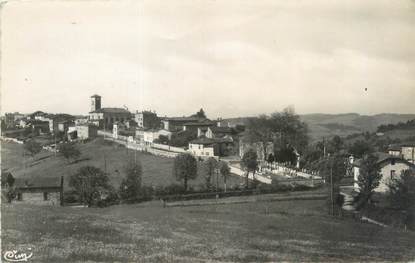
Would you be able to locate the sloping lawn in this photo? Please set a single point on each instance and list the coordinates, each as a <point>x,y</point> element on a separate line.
<point>109,156</point>
<point>253,232</point>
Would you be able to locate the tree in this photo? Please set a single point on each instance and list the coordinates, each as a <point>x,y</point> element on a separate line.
<point>130,186</point>
<point>90,182</point>
<point>250,164</point>
<point>289,129</point>
<point>402,195</point>
<point>225,171</point>
<point>336,144</point>
<point>182,138</point>
<point>7,186</point>
<point>359,148</point>
<point>33,147</point>
<point>368,179</point>
<point>259,131</point>
<point>200,114</point>
<point>162,139</point>
<point>284,129</point>
<point>402,190</point>
<point>333,169</point>
<point>69,151</point>
<point>286,155</point>
<point>185,168</point>
<point>271,158</point>
<point>209,167</point>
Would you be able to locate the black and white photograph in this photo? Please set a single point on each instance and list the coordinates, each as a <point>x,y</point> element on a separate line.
<point>207,131</point>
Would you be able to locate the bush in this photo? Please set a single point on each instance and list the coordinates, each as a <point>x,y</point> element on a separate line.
<point>106,197</point>
<point>71,197</point>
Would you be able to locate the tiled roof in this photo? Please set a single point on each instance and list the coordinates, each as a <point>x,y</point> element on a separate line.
<point>207,141</point>
<point>111,110</point>
<point>200,123</point>
<point>382,157</point>
<point>189,119</point>
<point>37,182</point>
<point>222,129</point>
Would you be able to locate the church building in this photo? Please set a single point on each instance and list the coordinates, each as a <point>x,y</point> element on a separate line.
<point>104,118</point>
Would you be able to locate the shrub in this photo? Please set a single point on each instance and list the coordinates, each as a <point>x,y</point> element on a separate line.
<point>91,184</point>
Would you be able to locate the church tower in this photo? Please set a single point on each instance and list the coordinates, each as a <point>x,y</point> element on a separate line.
<point>95,102</point>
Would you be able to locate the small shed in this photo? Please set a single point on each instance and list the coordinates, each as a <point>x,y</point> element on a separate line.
<point>40,189</point>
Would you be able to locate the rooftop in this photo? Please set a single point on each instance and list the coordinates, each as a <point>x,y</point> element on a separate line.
<point>222,129</point>
<point>183,119</point>
<point>111,110</point>
<point>208,141</point>
<point>382,157</point>
<point>38,182</point>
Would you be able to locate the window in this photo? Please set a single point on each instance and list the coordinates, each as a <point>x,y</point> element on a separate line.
<point>393,172</point>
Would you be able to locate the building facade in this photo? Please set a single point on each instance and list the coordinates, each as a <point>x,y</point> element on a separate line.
<point>104,118</point>
<point>147,119</point>
<point>390,167</point>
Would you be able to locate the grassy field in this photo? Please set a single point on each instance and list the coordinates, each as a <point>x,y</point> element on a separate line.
<point>110,157</point>
<point>252,232</point>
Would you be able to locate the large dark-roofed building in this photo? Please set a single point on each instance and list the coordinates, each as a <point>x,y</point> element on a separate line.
<point>106,117</point>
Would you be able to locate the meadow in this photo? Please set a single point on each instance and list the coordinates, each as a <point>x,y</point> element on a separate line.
<point>250,232</point>
<point>106,155</point>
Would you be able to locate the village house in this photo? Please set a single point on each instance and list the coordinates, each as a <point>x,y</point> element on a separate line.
<point>408,152</point>
<point>80,120</point>
<point>204,147</point>
<point>147,119</point>
<point>210,147</point>
<point>390,167</point>
<point>405,150</point>
<point>219,132</point>
<point>86,131</point>
<point>174,124</point>
<point>12,119</point>
<point>104,118</point>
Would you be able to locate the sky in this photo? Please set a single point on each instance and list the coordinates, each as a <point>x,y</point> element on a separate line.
<point>232,58</point>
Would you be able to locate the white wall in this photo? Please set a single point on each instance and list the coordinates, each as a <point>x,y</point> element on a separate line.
<point>398,167</point>
<point>200,150</point>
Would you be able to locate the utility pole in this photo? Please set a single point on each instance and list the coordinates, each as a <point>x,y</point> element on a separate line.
<point>105,163</point>
<point>56,147</point>
<point>331,187</point>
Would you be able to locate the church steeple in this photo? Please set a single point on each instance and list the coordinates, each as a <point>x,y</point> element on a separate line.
<point>95,102</point>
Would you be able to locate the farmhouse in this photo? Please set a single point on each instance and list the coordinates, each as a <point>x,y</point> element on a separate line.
<point>210,147</point>
<point>390,167</point>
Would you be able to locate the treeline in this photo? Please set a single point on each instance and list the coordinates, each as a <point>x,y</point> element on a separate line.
<point>399,126</point>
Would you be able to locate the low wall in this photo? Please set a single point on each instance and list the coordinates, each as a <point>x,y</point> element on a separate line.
<point>7,139</point>
<point>168,148</point>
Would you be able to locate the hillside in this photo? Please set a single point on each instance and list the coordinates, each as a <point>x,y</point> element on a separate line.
<point>110,157</point>
<point>326,125</point>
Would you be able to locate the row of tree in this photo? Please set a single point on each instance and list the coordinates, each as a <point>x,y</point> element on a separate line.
<point>285,130</point>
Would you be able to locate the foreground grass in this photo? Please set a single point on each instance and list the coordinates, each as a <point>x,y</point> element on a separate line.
<point>253,232</point>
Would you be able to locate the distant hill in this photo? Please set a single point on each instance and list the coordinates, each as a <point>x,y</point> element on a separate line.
<point>326,125</point>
